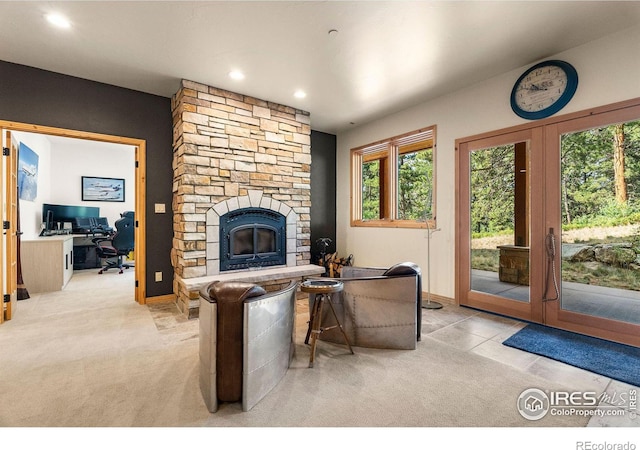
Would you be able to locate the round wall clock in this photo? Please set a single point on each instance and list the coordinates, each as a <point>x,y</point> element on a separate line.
<point>544,89</point>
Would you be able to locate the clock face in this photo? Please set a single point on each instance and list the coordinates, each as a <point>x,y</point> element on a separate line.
<point>544,89</point>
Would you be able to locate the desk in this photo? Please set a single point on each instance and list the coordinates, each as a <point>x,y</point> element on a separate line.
<point>84,253</point>
<point>47,262</point>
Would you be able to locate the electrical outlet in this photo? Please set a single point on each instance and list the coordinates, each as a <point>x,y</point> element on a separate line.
<point>158,277</point>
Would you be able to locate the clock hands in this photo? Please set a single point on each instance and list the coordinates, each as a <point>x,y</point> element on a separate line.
<point>534,87</point>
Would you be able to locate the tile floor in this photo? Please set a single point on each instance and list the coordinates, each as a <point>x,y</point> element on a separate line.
<point>483,333</point>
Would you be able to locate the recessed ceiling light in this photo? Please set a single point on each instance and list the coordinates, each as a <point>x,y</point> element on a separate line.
<point>300,94</point>
<point>236,75</point>
<point>58,20</point>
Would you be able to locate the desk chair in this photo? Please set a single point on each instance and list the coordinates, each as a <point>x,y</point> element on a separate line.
<point>92,225</point>
<point>114,248</point>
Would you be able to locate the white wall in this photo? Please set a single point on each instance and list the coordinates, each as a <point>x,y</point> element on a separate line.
<point>608,71</point>
<point>75,158</point>
<point>62,163</point>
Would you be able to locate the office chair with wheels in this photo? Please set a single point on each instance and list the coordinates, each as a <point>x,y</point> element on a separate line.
<point>113,249</point>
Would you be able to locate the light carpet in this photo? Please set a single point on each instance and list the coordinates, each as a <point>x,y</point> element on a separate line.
<point>91,357</point>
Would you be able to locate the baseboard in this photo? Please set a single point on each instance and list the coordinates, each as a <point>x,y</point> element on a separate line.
<point>438,298</point>
<point>169,298</point>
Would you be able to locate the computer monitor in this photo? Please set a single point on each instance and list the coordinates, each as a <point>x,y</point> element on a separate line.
<point>55,216</point>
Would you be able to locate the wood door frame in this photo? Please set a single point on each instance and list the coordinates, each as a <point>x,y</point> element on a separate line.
<point>10,202</point>
<point>140,187</point>
<point>2,258</point>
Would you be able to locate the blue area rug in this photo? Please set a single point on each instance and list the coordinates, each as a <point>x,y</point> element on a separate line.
<point>617,361</point>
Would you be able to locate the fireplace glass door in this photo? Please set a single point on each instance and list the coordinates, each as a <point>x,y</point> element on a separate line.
<point>252,237</point>
<point>253,240</point>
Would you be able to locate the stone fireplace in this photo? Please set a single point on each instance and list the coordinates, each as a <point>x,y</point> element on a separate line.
<point>241,165</point>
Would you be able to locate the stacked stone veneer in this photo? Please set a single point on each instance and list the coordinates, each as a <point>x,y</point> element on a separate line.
<point>230,148</point>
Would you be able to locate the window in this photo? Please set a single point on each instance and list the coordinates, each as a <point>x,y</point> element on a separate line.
<point>393,181</point>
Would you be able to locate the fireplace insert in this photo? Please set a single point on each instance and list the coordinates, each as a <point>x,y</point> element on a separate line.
<point>252,237</point>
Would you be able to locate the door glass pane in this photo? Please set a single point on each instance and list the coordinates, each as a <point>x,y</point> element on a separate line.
<point>600,210</point>
<point>499,195</point>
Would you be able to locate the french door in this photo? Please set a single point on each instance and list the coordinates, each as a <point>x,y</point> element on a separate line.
<point>543,232</point>
<point>500,267</point>
<point>592,172</point>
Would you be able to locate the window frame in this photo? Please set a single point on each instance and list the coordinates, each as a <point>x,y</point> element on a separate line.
<point>387,151</point>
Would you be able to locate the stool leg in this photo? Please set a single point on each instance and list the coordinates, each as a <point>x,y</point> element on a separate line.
<point>316,328</point>
<point>312,314</point>
<point>339,324</point>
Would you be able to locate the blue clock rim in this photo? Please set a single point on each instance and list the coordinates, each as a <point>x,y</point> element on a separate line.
<point>567,95</point>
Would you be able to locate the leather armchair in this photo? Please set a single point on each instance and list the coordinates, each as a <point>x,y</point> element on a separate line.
<point>246,341</point>
<point>378,308</point>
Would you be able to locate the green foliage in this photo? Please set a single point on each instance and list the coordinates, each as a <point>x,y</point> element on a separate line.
<point>415,185</point>
<point>588,188</point>
<point>371,190</point>
<point>485,259</point>
<point>609,214</point>
<point>483,234</point>
<point>587,182</point>
<point>492,184</point>
<point>601,275</point>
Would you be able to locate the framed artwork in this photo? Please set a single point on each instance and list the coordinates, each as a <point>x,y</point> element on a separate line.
<point>27,173</point>
<point>95,189</point>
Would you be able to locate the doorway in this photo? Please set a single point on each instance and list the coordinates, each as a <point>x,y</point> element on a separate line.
<point>546,230</point>
<point>137,146</point>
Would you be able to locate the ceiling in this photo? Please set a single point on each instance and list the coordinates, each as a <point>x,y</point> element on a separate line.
<point>384,57</point>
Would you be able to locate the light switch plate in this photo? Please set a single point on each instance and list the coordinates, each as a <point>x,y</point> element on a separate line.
<point>160,208</point>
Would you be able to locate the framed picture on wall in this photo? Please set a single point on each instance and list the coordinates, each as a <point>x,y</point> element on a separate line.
<point>102,189</point>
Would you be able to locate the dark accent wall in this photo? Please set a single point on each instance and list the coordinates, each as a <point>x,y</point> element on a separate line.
<point>323,191</point>
<point>39,97</point>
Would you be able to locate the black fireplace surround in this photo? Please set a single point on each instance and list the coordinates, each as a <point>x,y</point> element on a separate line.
<point>252,237</point>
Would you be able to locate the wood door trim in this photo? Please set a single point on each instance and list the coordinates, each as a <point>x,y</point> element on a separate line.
<point>11,242</point>
<point>140,186</point>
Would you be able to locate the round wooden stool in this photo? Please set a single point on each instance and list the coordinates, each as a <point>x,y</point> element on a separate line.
<point>322,290</point>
